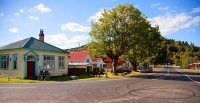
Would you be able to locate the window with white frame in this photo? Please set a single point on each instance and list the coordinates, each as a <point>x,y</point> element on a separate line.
<point>14,59</point>
<point>49,62</point>
<point>5,61</point>
<point>61,62</point>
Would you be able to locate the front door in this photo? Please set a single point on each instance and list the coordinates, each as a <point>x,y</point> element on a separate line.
<point>30,68</point>
<point>89,69</point>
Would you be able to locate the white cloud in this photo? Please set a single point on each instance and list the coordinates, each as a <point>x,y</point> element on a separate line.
<point>156,4</point>
<point>96,16</point>
<point>14,30</point>
<point>196,10</point>
<point>32,17</point>
<point>191,30</point>
<point>170,23</point>
<point>16,14</point>
<point>63,42</point>
<point>163,8</point>
<point>42,8</point>
<point>21,10</point>
<point>74,27</point>
<point>12,19</point>
<point>2,14</point>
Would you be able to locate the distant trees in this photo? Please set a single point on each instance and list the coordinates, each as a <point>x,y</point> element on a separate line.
<point>181,53</point>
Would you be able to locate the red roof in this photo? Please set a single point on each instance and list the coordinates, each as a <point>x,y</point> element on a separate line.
<point>121,60</point>
<point>110,60</point>
<point>96,59</point>
<point>78,56</point>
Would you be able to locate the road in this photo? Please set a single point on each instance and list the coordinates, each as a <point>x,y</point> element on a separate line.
<point>165,85</point>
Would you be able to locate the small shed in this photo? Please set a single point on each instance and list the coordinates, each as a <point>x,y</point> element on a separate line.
<point>80,68</point>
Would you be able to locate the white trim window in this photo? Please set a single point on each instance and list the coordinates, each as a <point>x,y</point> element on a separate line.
<point>14,58</point>
<point>5,61</point>
<point>49,62</point>
<point>61,62</point>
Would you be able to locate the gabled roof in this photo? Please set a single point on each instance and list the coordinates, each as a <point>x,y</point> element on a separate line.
<point>32,43</point>
<point>78,56</point>
<point>96,59</point>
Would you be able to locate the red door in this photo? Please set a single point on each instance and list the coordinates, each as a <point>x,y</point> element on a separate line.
<point>30,68</point>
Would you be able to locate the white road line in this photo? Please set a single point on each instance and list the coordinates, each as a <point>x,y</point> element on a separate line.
<point>155,70</point>
<point>187,76</point>
<point>165,75</point>
<point>17,87</point>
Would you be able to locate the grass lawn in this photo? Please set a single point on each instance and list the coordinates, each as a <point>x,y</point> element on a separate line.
<point>66,78</point>
<point>192,70</point>
<point>5,80</point>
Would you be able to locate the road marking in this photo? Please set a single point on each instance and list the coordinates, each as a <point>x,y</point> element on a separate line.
<point>156,70</point>
<point>165,75</point>
<point>187,76</point>
<point>18,87</point>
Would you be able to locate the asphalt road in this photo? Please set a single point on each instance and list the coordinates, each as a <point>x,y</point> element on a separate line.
<point>165,85</point>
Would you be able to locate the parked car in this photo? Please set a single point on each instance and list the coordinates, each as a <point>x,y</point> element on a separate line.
<point>146,69</point>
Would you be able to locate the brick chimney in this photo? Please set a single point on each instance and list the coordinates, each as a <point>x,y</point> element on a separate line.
<point>41,35</point>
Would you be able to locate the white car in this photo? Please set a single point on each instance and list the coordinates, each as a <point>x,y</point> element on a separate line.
<point>146,69</point>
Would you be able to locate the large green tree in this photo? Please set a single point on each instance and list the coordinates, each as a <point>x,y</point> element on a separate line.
<point>148,49</point>
<point>118,30</point>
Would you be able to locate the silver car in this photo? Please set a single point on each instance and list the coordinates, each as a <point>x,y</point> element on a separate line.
<point>146,69</point>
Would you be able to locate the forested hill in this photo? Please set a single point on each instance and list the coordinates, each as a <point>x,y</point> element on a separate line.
<point>181,52</point>
<point>177,52</point>
<point>81,48</point>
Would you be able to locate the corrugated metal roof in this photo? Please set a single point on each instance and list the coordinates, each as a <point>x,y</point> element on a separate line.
<point>32,43</point>
<point>96,59</point>
<point>14,45</point>
<point>79,64</point>
<point>78,56</point>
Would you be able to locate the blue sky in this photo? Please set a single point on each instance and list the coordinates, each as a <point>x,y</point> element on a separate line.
<point>67,22</point>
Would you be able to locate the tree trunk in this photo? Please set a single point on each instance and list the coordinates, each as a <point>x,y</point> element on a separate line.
<point>115,61</point>
<point>134,64</point>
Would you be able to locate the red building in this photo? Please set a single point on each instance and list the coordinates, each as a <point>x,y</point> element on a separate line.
<point>196,65</point>
<point>108,62</point>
